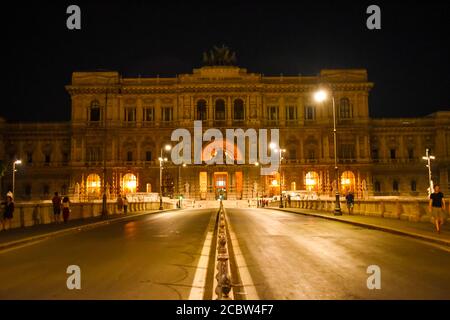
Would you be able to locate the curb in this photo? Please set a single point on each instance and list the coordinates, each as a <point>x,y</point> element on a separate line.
<point>22,241</point>
<point>374,227</point>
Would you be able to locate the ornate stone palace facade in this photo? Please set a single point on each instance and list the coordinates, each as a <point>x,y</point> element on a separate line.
<point>119,126</point>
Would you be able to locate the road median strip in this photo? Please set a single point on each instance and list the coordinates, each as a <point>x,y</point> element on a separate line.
<point>22,241</point>
<point>371,226</point>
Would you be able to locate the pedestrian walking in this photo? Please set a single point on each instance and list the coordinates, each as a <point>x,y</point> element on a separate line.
<point>437,207</point>
<point>8,213</point>
<point>56,208</point>
<point>66,208</point>
<point>119,204</point>
<point>125,204</point>
<point>289,200</point>
<point>350,199</point>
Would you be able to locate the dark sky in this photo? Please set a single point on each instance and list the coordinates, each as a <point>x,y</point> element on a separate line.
<point>408,59</point>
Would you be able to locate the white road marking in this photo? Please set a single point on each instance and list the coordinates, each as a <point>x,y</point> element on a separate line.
<point>199,283</point>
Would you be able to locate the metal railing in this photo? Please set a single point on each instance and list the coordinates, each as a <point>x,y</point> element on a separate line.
<point>222,282</point>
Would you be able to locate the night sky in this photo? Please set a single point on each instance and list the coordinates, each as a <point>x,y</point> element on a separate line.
<point>408,59</point>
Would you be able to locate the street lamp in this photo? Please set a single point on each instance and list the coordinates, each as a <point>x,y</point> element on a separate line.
<point>257,200</point>
<point>14,175</point>
<point>280,151</point>
<point>429,157</point>
<point>167,147</point>
<point>179,177</point>
<point>321,96</point>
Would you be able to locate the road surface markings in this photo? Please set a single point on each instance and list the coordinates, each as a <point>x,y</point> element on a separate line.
<point>199,283</point>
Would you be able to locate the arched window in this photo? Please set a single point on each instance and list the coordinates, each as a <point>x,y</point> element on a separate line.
<point>345,111</point>
<point>93,184</point>
<point>201,110</point>
<point>219,113</point>
<point>238,109</point>
<point>94,111</point>
<point>129,182</point>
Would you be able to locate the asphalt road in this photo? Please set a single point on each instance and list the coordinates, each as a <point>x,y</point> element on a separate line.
<point>291,256</point>
<point>150,257</point>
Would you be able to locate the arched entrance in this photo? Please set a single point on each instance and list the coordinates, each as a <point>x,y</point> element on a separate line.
<point>312,181</point>
<point>347,181</point>
<point>129,183</point>
<point>93,186</point>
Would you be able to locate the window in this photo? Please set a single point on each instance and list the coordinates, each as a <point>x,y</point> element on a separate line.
<point>410,153</point>
<point>392,153</point>
<point>311,154</point>
<point>292,154</point>
<point>46,189</point>
<point>220,110</point>
<point>47,159</point>
<point>93,154</point>
<point>375,154</point>
<point>377,186</point>
<point>148,156</point>
<point>413,185</point>
<point>272,113</point>
<point>395,186</point>
<point>28,190</point>
<point>291,113</point>
<point>238,109</point>
<point>130,156</point>
<point>29,157</point>
<point>309,113</point>
<point>347,151</point>
<point>149,114</point>
<point>345,111</point>
<point>94,111</point>
<point>130,114</point>
<point>202,112</point>
<point>65,157</point>
<point>167,114</point>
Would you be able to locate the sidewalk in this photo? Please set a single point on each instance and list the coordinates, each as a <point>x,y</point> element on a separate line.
<point>18,236</point>
<point>418,230</point>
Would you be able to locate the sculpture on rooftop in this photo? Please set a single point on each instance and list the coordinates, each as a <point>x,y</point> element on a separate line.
<point>219,57</point>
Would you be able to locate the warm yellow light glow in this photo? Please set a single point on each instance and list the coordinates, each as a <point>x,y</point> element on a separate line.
<point>168,147</point>
<point>320,96</point>
<point>274,182</point>
<point>129,183</point>
<point>18,161</point>
<point>311,180</point>
<point>272,145</point>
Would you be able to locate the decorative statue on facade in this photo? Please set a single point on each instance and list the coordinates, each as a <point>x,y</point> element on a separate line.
<point>219,57</point>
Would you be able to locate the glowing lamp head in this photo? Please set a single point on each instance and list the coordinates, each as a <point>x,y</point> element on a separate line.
<point>320,96</point>
<point>18,162</point>
<point>167,147</point>
<point>272,145</point>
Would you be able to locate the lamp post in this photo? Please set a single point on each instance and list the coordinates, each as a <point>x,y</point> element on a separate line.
<point>429,157</point>
<point>257,200</point>
<point>321,96</point>
<point>14,175</point>
<point>280,151</point>
<point>167,147</point>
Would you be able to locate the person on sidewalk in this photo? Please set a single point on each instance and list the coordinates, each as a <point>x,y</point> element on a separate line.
<point>56,208</point>
<point>350,198</point>
<point>119,204</point>
<point>437,207</point>
<point>66,208</point>
<point>8,213</point>
<point>125,204</point>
